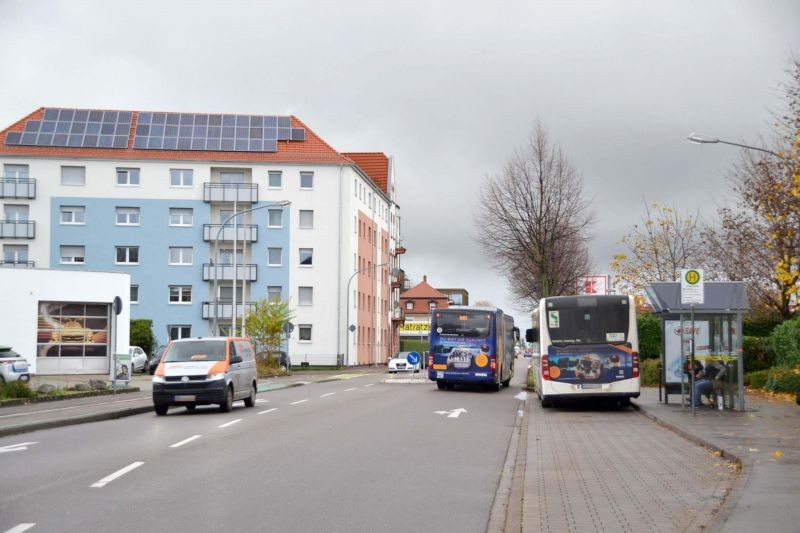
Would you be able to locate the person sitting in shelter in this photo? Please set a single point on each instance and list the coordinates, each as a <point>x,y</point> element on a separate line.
<point>692,369</point>
<point>708,380</point>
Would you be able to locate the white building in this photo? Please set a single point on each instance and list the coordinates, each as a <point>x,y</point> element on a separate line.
<point>146,193</point>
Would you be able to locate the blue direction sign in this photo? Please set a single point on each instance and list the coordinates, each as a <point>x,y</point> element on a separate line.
<point>412,358</point>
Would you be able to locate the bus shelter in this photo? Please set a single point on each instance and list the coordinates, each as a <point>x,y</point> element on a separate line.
<point>715,328</point>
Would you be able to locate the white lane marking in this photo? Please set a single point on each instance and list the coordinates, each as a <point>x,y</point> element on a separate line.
<point>299,401</point>
<point>453,413</point>
<point>520,412</point>
<point>261,400</point>
<point>13,415</point>
<point>329,394</point>
<point>232,422</point>
<point>16,447</point>
<point>22,527</point>
<point>119,473</point>
<point>522,396</point>
<point>268,411</point>
<point>370,385</point>
<point>185,441</point>
<point>348,390</point>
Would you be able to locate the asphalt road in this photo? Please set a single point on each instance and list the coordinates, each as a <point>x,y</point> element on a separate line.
<point>351,455</point>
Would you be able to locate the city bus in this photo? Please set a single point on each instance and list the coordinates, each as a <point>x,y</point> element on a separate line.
<point>471,345</point>
<point>585,347</point>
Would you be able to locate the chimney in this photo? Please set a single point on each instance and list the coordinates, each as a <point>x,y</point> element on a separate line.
<point>425,279</point>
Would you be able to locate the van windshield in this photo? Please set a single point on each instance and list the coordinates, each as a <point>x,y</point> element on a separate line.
<point>210,350</point>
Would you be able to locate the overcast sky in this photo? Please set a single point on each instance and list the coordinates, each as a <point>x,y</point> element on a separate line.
<point>449,89</point>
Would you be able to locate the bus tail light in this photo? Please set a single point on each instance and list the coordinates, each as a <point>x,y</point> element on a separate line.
<point>430,360</point>
<point>493,363</point>
<point>545,368</point>
<point>635,364</point>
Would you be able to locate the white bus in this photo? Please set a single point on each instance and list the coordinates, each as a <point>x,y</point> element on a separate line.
<point>585,347</point>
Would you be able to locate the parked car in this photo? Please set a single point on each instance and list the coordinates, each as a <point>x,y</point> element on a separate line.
<point>139,359</point>
<point>399,363</point>
<point>152,363</point>
<point>13,367</point>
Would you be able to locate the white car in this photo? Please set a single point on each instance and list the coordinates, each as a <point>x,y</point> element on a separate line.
<point>139,359</point>
<point>399,363</point>
<point>13,367</point>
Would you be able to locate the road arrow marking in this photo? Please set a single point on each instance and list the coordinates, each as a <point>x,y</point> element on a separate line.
<point>454,413</point>
<point>16,447</point>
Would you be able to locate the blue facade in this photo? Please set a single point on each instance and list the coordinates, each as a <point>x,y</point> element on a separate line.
<point>154,236</point>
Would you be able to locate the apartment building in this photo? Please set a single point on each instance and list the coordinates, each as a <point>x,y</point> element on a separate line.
<point>209,213</point>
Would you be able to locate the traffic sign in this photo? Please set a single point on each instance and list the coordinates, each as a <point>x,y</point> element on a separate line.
<point>412,358</point>
<point>692,286</point>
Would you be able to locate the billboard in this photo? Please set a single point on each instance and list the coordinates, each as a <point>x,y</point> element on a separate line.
<point>594,284</point>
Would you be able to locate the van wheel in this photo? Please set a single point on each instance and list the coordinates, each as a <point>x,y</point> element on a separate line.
<point>250,401</point>
<point>227,405</point>
<point>161,409</point>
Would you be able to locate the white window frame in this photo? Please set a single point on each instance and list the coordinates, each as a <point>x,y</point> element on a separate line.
<point>134,294</point>
<point>15,253</point>
<point>279,174</point>
<point>409,305</point>
<point>183,292</point>
<point>183,176</point>
<point>270,262</point>
<point>16,212</point>
<point>127,213</point>
<point>310,253</point>
<point>182,331</point>
<point>73,176</point>
<point>72,254</point>
<point>127,255</point>
<point>307,174</point>
<point>271,293</point>
<point>177,255</point>
<point>131,177</point>
<point>305,327</point>
<point>300,218</point>
<point>271,212</point>
<point>305,295</point>
<point>180,214</point>
<point>73,211</point>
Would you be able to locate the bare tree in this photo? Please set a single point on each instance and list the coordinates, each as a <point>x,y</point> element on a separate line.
<point>665,242</point>
<point>533,221</point>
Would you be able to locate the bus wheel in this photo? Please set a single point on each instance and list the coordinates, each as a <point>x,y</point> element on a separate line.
<point>624,402</point>
<point>546,403</point>
<point>507,382</point>
<point>494,387</point>
<point>440,384</point>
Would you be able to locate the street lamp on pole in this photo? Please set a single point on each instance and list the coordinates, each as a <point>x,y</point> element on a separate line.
<point>215,258</point>
<point>699,138</point>
<point>348,326</point>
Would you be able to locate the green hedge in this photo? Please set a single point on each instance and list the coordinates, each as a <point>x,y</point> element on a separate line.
<point>649,328</point>
<point>648,372</point>
<point>756,379</point>
<point>411,345</point>
<point>141,335</point>
<point>757,355</point>
<point>784,343</point>
<point>775,380</point>
<point>15,389</point>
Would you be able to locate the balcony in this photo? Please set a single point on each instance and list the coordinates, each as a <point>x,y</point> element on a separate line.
<point>24,188</point>
<point>225,272</point>
<point>17,229</point>
<point>230,192</point>
<point>224,309</point>
<point>398,316</point>
<point>17,264</point>
<point>398,280</point>
<point>244,232</point>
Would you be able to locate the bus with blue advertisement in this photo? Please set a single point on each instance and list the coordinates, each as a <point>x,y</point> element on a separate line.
<point>585,347</point>
<point>471,345</point>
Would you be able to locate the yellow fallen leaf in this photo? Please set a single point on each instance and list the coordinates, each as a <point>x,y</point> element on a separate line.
<point>778,454</point>
<point>753,449</point>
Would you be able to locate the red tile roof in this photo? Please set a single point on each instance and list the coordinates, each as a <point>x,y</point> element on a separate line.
<point>423,290</point>
<point>312,150</point>
<point>375,165</point>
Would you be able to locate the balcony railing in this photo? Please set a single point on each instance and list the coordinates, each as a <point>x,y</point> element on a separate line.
<point>244,232</point>
<point>225,272</point>
<point>224,309</point>
<point>398,316</point>
<point>17,264</point>
<point>18,188</point>
<point>17,229</point>
<point>229,192</point>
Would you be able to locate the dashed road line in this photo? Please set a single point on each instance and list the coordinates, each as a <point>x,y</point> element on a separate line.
<point>329,394</point>
<point>232,422</point>
<point>370,385</point>
<point>261,400</point>
<point>298,401</point>
<point>119,473</point>
<point>268,411</point>
<point>353,388</point>
<point>185,441</point>
<point>21,527</point>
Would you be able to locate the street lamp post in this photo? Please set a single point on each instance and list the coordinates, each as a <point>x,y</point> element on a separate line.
<point>699,138</point>
<point>347,336</point>
<point>215,259</point>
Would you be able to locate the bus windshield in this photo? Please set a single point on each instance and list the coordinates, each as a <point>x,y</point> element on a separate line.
<point>464,323</point>
<point>583,321</point>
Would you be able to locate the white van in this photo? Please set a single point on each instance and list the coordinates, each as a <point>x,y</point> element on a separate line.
<point>202,371</point>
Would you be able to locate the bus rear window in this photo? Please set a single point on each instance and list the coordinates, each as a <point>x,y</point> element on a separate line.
<point>589,325</point>
<point>464,323</point>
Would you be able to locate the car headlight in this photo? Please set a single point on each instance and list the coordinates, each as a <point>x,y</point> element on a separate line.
<point>216,377</point>
<point>159,379</point>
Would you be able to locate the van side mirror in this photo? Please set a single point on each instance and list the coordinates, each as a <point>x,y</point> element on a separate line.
<point>236,358</point>
<point>532,335</point>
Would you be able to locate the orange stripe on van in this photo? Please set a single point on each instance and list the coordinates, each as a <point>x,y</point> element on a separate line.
<point>219,366</point>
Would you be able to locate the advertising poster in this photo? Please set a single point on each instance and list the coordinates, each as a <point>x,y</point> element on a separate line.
<point>675,355</point>
<point>72,329</point>
<point>122,367</point>
<point>590,365</point>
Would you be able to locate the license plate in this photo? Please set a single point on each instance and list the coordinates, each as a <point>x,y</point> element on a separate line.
<point>440,375</point>
<point>590,386</point>
<point>184,397</point>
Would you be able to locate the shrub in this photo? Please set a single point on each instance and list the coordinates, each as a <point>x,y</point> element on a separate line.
<point>649,328</point>
<point>15,389</point>
<point>531,379</point>
<point>784,343</point>
<point>412,345</point>
<point>756,379</point>
<point>268,367</point>
<point>756,356</point>
<point>760,326</point>
<point>648,372</point>
<point>141,335</point>
<point>783,380</point>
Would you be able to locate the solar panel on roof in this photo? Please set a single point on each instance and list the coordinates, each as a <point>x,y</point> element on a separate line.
<point>76,128</point>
